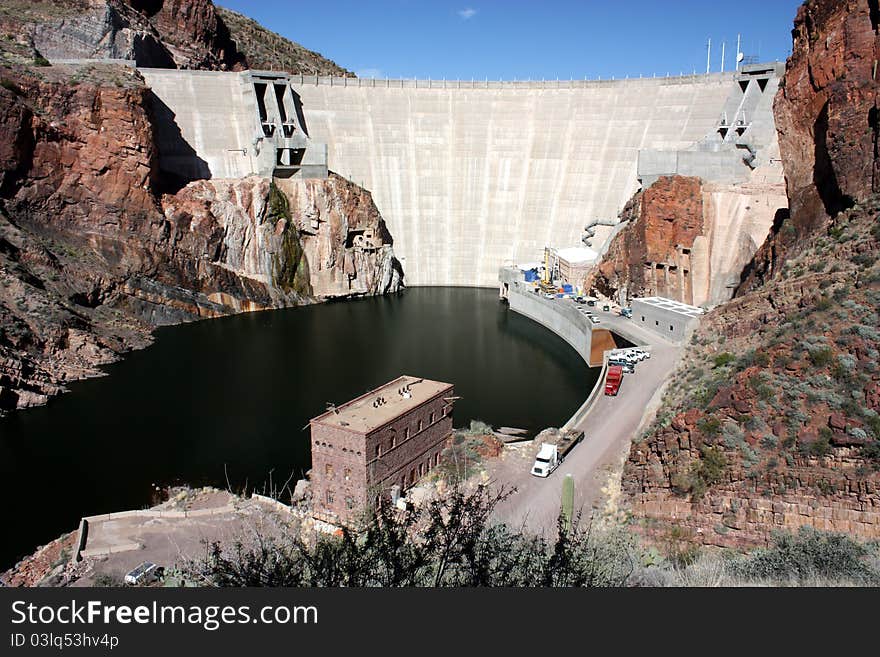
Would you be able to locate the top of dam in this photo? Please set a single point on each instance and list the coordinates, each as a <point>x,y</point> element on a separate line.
<point>486,83</point>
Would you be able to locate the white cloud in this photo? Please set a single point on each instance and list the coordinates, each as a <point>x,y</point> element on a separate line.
<point>467,13</point>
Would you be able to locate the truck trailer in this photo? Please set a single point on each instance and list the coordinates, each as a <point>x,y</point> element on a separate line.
<point>552,454</point>
<point>612,379</point>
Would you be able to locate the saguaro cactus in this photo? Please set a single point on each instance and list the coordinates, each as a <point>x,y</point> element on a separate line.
<point>567,501</point>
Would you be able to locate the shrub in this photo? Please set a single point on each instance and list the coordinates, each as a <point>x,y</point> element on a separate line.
<point>821,357</point>
<point>806,556</point>
<point>9,85</point>
<point>709,426</point>
<point>39,60</point>
<point>723,359</point>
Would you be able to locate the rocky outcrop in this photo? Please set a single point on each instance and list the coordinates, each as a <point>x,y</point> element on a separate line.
<point>190,34</point>
<point>689,240</point>
<point>773,421</point>
<point>266,50</point>
<point>827,118</point>
<point>92,256</point>
<point>651,255</point>
<point>155,33</point>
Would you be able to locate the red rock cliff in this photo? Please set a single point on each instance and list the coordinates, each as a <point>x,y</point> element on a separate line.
<point>651,255</point>
<point>827,118</point>
<point>91,257</point>
<point>772,420</point>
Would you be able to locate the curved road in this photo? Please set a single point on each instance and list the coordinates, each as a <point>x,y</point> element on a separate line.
<point>608,427</point>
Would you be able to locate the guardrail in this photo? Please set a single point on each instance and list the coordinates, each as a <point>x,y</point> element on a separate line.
<point>416,83</point>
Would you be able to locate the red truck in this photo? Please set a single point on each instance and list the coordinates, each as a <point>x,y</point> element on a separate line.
<point>612,379</point>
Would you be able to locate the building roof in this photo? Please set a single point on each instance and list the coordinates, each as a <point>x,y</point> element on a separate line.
<point>400,396</point>
<point>672,306</point>
<point>577,254</point>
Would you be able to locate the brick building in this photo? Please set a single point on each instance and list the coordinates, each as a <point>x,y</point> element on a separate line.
<point>392,435</point>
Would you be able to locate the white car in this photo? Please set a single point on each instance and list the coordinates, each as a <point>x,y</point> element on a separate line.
<point>146,573</point>
<point>593,319</point>
<point>549,296</point>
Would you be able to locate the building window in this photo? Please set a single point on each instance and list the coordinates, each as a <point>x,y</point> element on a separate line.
<point>643,318</point>
<point>670,327</point>
<point>432,417</point>
<point>656,322</point>
<point>378,451</point>
<point>328,470</point>
<point>406,433</point>
<point>420,425</point>
<point>329,497</point>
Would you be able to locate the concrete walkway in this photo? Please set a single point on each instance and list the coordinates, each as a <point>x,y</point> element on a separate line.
<point>609,426</point>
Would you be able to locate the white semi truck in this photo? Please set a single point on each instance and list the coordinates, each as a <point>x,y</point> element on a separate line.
<point>552,454</point>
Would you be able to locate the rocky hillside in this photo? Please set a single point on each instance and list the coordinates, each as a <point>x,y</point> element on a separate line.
<point>265,49</point>
<point>155,33</point>
<point>772,420</point>
<point>92,256</point>
<point>192,34</point>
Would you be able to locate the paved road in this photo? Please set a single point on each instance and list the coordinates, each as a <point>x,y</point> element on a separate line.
<point>609,426</point>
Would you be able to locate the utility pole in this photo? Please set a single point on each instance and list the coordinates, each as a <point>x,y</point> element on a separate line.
<point>709,57</point>
<point>738,53</point>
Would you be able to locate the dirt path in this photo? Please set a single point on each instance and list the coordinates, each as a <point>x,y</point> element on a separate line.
<point>609,427</point>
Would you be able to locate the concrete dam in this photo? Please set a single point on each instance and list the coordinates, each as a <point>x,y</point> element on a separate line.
<point>469,176</point>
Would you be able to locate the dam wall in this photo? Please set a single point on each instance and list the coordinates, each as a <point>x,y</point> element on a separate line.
<point>472,176</point>
<point>558,316</point>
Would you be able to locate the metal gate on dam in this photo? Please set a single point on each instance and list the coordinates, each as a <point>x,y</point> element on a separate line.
<point>473,175</point>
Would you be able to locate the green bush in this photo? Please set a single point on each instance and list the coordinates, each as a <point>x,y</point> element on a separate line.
<point>821,357</point>
<point>722,359</point>
<point>806,556</point>
<point>709,426</point>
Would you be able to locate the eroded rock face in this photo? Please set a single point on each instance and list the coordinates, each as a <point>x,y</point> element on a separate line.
<point>827,118</point>
<point>92,257</point>
<point>772,420</point>
<point>155,33</point>
<point>689,240</point>
<point>652,254</point>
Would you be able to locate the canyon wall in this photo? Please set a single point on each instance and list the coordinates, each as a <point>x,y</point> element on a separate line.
<point>827,118</point>
<point>163,33</point>
<point>93,256</point>
<point>772,421</point>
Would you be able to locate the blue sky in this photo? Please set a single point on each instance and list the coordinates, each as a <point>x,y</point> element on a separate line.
<point>507,39</point>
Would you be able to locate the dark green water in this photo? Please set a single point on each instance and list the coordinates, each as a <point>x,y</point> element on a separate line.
<point>237,392</point>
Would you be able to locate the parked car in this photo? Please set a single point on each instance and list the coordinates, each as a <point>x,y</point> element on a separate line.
<point>625,365</point>
<point>593,319</point>
<point>549,295</point>
<point>146,573</point>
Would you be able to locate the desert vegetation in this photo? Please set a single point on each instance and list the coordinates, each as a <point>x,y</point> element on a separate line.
<point>453,541</point>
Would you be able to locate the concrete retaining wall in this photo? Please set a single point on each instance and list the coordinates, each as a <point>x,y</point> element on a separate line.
<point>559,316</point>
<point>152,513</point>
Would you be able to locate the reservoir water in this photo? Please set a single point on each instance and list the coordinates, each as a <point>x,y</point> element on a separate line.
<point>231,399</point>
